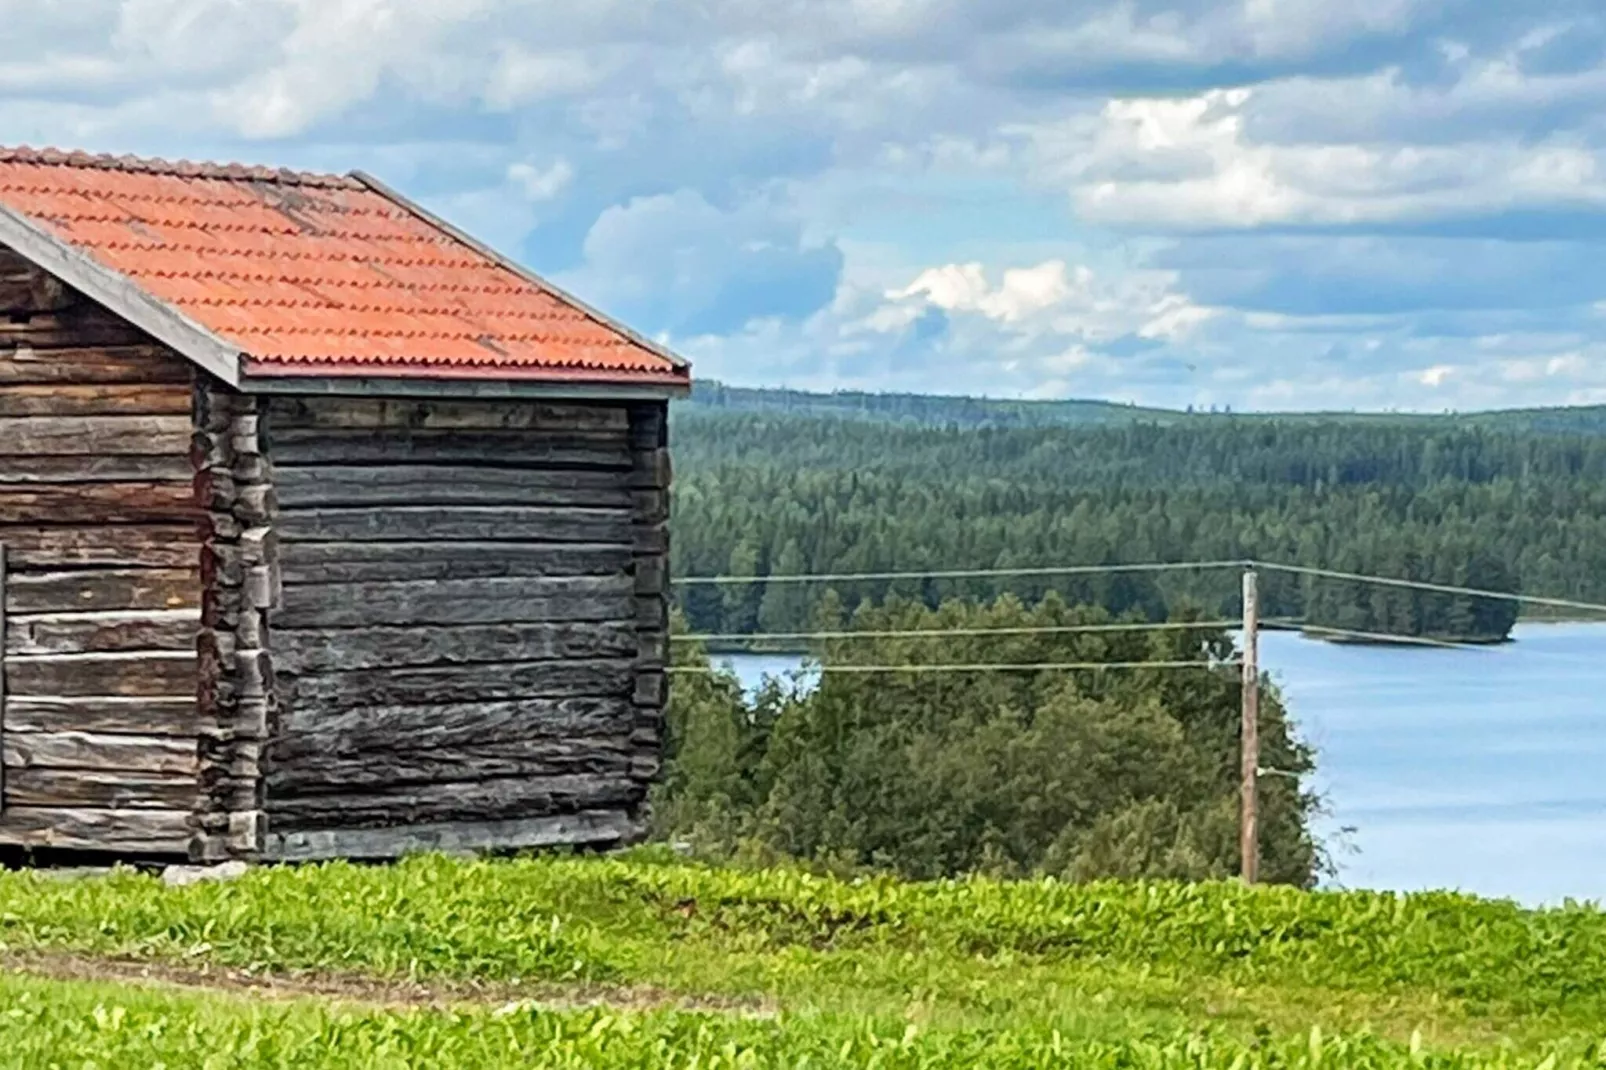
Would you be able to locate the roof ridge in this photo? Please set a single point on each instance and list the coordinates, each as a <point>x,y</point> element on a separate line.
<point>150,165</point>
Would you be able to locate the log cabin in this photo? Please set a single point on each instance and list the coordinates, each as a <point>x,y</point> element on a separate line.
<point>325,530</point>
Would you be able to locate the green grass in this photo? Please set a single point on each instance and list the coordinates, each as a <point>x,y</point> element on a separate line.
<point>982,972</point>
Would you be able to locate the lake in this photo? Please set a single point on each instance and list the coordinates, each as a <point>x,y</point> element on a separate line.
<point>1480,770</point>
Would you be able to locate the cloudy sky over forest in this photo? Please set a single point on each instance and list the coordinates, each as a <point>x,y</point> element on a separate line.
<point>1263,203</point>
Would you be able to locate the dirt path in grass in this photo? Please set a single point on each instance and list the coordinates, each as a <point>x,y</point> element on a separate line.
<point>367,992</point>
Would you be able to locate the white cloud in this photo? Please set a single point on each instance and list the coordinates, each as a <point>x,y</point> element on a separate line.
<point>541,183</point>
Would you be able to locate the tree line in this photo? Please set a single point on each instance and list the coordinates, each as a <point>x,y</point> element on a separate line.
<point>1461,504</point>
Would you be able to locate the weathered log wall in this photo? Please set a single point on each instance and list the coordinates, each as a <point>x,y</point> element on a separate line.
<point>99,520</point>
<point>469,648</point>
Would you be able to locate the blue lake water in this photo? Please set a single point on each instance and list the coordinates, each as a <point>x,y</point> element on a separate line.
<point>1480,770</point>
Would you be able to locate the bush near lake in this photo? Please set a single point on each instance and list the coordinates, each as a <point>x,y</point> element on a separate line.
<point>1081,774</point>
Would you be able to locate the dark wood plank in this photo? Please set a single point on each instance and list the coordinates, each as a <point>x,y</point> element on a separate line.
<point>91,590</point>
<point>85,468</point>
<point>35,291</point>
<point>87,503</point>
<point>57,435</point>
<point>458,683</point>
<point>325,650</point>
<point>597,827</point>
<point>481,601</point>
<point>80,326</point>
<point>506,449</point>
<point>345,730</point>
<point>100,399</point>
<point>140,832</point>
<point>144,674</point>
<point>87,750</point>
<point>132,364</point>
<point>366,562</point>
<point>473,523</point>
<point>414,414</point>
<point>338,485</point>
<point>103,632</point>
<point>105,715</point>
<point>481,800</point>
<point>386,770</point>
<point>172,546</point>
<point>117,789</point>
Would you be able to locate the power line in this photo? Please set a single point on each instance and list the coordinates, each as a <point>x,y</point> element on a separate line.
<point>929,633</point>
<point>1053,666</point>
<point>955,574</point>
<point>1420,585</point>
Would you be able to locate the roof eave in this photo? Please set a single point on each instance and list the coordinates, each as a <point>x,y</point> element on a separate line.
<point>477,381</point>
<point>120,294</point>
<point>677,362</point>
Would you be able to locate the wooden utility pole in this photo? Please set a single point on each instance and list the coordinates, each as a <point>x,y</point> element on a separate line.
<point>1249,832</point>
<point>2,665</point>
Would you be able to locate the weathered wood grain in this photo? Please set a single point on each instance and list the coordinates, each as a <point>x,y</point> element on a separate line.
<point>142,674</point>
<point>329,650</point>
<point>170,546</point>
<point>412,414</point>
<point>598,827</point>
<point>460,683</point>
<point>472,523</point>
<point>59,435</point>
<point>88,750</point>
<point>100,399</point>
<point>103,589</point>
<point>72,633</point>
<point>292,446</point>
<point>481,800</point>
<point>85,468</point>
<point>83,325</point>
<point>354,728</point>
<point>481,601</point>
<point>136,832</point>
<point>365,562</point>
<point>384,770</point>
<point>107,503</point>
<point>98,788</point>
<point>102,715</point>
<point>338,485</point>
<point>131,364</point>
<point>35,291</point>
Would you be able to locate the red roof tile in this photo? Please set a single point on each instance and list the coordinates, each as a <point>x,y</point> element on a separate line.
<point>320,274</point>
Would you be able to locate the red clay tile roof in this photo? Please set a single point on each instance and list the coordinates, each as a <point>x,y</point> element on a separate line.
<point>320,274</point>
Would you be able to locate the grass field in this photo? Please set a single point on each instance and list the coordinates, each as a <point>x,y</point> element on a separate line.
<point>642,961</point>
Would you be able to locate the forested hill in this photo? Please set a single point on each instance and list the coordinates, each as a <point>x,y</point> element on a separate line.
<point>1486,502</point>
<point>931,410</point>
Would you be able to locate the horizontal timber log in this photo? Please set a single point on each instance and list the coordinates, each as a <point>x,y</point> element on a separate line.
<point>599,828</point>
<point>359,562</point>
<point>73,633</point>
<point>408,414</point>
<point>103,715</point>
<point>132,364</point>
<point>448,485</point>
<point>34,291</point>
<point>323,650</point>
<point>505,448</point>
<point>387,769</point>
<point>103,589</point>
<point>84,468</point>
<point>99,399</point>
<point>84,325</point>
<point>486,800</point>
<point>144,674</point>
<point>170,546</point>
<point>152,832</point>
<point>151,435</point>
<point>512,523</point>
<point>459,683</point>
<point>357,728</point>
<point>482,601</point>
<point>88,750</point>
<point>88,787</point>
<point>88,503</point>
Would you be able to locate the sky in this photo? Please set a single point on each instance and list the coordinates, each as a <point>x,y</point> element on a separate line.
<point>1267,204</point>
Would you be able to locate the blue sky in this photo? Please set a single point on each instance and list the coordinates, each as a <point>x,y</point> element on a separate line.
<point>1270,204</point>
